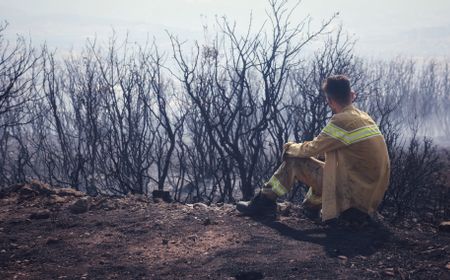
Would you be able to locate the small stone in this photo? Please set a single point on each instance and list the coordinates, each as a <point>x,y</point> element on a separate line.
<point>79,206</point>
<point>448,266</point>
<point>343,259</point>
<point>389,272</point>
<point>200,205</point>
<point>40,215</point>
<point>444,226</point>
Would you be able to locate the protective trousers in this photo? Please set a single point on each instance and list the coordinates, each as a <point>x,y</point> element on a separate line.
<point>306,170</point>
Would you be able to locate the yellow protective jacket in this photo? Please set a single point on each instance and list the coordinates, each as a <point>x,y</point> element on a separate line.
<point>357,167</point>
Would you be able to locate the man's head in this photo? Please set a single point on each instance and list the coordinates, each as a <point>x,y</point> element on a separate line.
<point>338,92</point>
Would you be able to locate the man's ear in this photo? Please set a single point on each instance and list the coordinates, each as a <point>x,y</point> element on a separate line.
<point>354,96</point>
<point>331,104</point>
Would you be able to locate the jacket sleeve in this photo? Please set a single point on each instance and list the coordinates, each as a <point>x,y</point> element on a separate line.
<point>326,141</point>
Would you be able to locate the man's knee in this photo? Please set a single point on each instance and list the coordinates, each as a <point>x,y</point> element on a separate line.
<point>311,164</point>
<point>308,171</point>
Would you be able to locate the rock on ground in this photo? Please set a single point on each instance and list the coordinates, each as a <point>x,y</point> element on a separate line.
<point>444,226</point>
<point>41,214</point>
<point>79,206</point>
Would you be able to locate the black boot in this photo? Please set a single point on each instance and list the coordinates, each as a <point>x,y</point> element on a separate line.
<point>355,219</point>
<point>311,211</point>
<point>260,205</point>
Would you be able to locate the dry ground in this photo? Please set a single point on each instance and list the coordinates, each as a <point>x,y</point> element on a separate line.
<point>131,238</point>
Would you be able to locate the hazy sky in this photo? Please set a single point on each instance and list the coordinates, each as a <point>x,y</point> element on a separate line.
<point>382,27</point>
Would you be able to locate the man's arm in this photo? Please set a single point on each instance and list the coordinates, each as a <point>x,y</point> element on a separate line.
<point>329,139</point>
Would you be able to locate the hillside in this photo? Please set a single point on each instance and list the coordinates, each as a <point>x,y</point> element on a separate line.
<point>48,233</point>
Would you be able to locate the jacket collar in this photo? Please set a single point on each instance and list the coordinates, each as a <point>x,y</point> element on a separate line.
<point>348,108</point>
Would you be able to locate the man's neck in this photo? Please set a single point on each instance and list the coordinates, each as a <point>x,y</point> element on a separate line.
<point>340,108</point>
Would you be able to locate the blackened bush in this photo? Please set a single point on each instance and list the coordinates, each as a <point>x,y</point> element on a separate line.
<point>417,182</point>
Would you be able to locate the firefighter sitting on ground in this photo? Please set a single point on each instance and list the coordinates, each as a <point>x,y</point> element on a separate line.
<point>355,173</point>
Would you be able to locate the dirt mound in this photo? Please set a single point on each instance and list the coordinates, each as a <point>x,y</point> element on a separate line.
<point>40,195</point>
<point>42,237</point>
<point>36,189</point>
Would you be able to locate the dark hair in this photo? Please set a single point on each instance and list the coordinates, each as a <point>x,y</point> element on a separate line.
<point>338,88</point>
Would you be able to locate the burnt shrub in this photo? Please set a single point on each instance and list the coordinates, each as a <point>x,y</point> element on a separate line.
<point>417,185</point>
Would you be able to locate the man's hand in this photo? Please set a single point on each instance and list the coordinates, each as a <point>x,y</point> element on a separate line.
<point>285,148</point>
